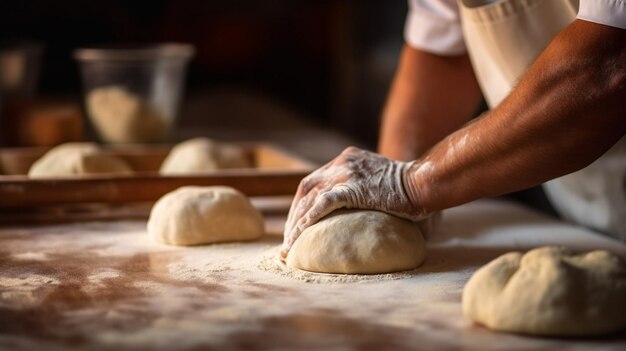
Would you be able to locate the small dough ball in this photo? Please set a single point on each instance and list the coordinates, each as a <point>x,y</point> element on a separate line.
<point>201,155</point>
<point>123,117</point>
<point>358,242</point>
<point>549,291</point>
<point>75,159</point>
<point>193,215</point>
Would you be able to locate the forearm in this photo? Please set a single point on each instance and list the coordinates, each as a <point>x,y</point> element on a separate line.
<point>566,112</point>
<point>431,96</point>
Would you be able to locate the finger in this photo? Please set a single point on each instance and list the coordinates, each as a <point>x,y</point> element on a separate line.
<point>314,208</point>
<point>351,150</point>
<point>299,207</point>
<point>323,205</point>
<point>295,213</point>
<point>311,181</point>
<point>305,186</point>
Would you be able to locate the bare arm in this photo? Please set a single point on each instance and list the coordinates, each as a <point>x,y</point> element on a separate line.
<point>568,110</point>
<point>431,97</point>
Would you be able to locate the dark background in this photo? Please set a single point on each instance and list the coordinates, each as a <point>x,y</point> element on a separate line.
<point>332,61</point>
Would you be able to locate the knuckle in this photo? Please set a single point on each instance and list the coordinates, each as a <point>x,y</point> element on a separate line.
<point>350,150</point>
<point>308,179</point>
<point>307,184</point>
<point>347,153</point>
<point>326,200</point>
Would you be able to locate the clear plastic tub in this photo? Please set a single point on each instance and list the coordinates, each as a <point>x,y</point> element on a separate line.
<point>132,94</point>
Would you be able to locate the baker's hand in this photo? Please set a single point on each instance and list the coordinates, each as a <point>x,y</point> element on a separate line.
<point>355,179</point>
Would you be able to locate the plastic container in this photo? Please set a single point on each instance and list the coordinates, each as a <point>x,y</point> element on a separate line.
<point>132,93</point>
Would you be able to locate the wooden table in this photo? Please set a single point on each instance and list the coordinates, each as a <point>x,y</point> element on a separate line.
<point>106,286</point>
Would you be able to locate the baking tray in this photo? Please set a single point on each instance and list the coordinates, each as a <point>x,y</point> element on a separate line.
<point>275,171</point>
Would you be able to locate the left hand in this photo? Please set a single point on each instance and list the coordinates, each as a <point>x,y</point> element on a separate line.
<point>355,179</point>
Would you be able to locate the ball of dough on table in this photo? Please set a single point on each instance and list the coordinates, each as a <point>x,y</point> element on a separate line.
<point>201,155</point>
<point>358,242</point>
<point>193,215</point>
<point>75,159</point>
<point>549,291</point>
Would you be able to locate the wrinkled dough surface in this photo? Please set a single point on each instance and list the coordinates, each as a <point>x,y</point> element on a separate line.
<point>358,242</point>
<point>193,215</point>
<point>74,159</point>
<point>549,291</point>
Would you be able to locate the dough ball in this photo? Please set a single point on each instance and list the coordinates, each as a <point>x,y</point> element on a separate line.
<point>193,215</point>
<point>201,155</point>
<point>358,242</point>
<point>549,291</point>
<point>75,159</point>
<point>123,117</point>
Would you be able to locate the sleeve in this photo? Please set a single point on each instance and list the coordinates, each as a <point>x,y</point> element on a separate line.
<point>608,12</point>
<point>434,26</point>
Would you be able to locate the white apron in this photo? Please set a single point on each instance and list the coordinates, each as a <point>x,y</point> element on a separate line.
<point>503,39</point>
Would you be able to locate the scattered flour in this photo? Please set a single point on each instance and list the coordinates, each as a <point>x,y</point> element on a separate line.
<point>98,276</point>
<point>30,256</point>
<point>28,282</point>
<point>270,262</point>
<point>216,296</point>
<point>24,291</point>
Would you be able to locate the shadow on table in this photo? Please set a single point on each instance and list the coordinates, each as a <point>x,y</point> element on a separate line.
<point>447,259</point>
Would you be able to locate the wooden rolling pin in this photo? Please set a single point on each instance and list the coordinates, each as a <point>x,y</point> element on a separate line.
<point>21,192</point>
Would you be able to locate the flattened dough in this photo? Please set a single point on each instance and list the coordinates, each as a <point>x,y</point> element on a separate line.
<point>201,155</point>
<point>549,291</point>
<point>74,159</point>
<point>358,242</point>
<point>193,215</point>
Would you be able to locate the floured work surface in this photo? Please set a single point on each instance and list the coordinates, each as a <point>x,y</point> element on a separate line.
<point>104,285</point>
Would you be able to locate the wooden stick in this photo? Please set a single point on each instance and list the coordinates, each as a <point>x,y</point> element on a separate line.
<point>16,192</point>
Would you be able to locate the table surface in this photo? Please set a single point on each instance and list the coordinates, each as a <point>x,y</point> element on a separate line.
<point>104,285</point>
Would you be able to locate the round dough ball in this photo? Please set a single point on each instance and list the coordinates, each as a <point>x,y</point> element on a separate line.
<point>549,291</point>
<point>358,242</point>
<point>201,155</point>
<point>193,215</point>
<point>75,159</point>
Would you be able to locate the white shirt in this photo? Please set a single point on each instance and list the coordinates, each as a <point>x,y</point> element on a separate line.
<point>435,25</point>
<point>593,196</point>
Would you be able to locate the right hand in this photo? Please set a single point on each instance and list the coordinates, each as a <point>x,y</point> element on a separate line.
<point>355,179</point>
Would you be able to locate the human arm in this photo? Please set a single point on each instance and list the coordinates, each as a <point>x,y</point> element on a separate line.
<point>431,96</point>
<point>566,112</point>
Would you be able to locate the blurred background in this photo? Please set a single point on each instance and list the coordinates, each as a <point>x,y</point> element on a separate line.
<point>259,66</point>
